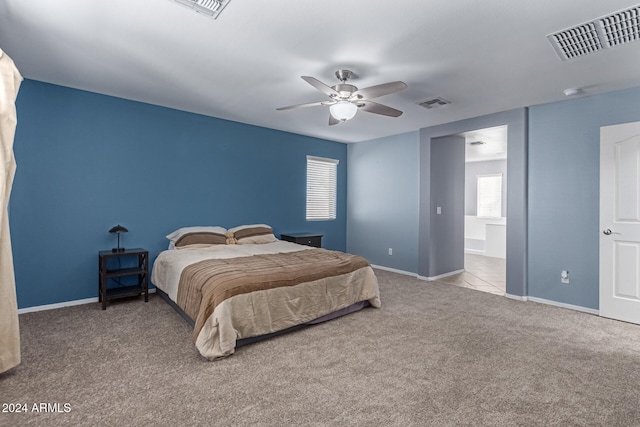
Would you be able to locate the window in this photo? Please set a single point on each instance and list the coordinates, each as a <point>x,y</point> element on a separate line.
<point>489,196</point>
<point>322,183</point>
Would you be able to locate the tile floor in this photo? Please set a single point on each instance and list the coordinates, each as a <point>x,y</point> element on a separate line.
<point>481,273</point>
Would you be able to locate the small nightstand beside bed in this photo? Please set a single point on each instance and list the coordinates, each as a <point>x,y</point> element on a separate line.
<point>238,284</point>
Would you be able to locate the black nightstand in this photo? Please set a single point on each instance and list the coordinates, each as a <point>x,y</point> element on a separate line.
<point>136,263</point>
<point>307,239</point>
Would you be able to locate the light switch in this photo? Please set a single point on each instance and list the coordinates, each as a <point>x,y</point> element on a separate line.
<point>439,210</point>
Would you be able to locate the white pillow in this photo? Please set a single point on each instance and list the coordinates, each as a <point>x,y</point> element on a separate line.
<point>195,231</point>
<point>251,234</point>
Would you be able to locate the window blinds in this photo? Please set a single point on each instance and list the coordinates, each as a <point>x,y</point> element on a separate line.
<point>321,188</point>
<point>489,196</point>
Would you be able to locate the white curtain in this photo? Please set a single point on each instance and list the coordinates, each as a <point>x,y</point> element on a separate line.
<point>10,80</point>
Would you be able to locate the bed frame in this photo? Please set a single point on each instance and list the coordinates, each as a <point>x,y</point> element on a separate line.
<point>244,341</point>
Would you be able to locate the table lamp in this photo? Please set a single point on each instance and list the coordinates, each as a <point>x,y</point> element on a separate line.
<point>118,229</point>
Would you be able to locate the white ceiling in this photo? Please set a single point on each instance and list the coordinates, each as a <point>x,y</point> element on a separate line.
<point>483,56</point>
<point>486,144</point>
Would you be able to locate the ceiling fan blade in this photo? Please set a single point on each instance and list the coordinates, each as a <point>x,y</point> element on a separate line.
<point>309,104</point>
<point>327,90</point>
<point>374,107</point>
<point>333,120</point>
<point>380,90</point>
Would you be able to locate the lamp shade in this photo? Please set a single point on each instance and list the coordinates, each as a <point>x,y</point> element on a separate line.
<point>118,229</point>
<point>343,110</point>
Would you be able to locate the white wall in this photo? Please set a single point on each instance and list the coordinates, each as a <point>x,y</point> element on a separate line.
<point>485,236</point>
<point>471,171</point>
<point>476,229</point>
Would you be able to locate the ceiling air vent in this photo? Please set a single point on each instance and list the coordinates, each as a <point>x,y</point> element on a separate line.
<point>434,103</point>
<point>211,8</point>
<point>576,41</point>
<point>608,31</point>
<point>621,27</point>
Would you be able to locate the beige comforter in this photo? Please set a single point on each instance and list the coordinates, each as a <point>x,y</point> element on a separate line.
<point>264,289</point>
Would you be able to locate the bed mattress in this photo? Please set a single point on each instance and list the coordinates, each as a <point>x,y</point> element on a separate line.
<point>234,292</point>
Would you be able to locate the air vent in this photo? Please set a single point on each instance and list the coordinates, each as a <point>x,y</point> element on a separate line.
<point>576,41</point>
<point>612,30</point>
<point>434,103</point>
<point>622,27</point>
<point>211,8</point>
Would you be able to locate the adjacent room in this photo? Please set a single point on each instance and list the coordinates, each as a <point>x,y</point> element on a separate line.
<point>221,212</point>
<point>485,209</point>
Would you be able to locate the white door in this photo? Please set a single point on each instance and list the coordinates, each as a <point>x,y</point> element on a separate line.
<point>620,222</point>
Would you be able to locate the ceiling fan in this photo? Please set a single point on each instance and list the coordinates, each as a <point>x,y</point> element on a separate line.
<point>346,99</point>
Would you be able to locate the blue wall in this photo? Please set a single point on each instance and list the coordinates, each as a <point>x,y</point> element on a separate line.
<point>446,230</point>
<point>383,200</point>
<point>564,176</point>
<point>87,162</point>
<point>553,190</point>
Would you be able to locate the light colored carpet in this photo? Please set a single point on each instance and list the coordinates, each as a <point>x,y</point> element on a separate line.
<point>434,355</point>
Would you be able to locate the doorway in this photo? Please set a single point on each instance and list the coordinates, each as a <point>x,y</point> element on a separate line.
<point>429,266</point>
<point>485,211</point>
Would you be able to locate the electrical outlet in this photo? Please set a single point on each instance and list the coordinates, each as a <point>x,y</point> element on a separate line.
<point>564,276</point>
<point>390,251</point>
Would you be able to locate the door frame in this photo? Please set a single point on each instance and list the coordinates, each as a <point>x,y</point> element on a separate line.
<point>516,120</point>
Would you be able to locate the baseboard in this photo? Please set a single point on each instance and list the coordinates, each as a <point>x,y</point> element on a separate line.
<point>515,297</point>
<point>393,270</point>
<point>563,305</point>
<point>554,303</point>
<point>64,304</point>
<point>441,276</point>
<point>474,251</point>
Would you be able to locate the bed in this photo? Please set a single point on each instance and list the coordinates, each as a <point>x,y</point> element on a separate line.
<point>240,284</point>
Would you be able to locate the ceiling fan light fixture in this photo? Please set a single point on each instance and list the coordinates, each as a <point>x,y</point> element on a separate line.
<point>346,99</point>
<point>343,110</point>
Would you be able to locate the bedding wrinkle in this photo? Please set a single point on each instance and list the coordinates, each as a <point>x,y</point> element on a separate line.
<point>232,320</point>
<point>205,284</point>
<point>234,292</point>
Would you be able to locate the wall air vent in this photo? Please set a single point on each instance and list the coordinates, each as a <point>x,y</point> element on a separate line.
<point>603,33</point>
<point>434,103</point>
<point>211,8</point>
